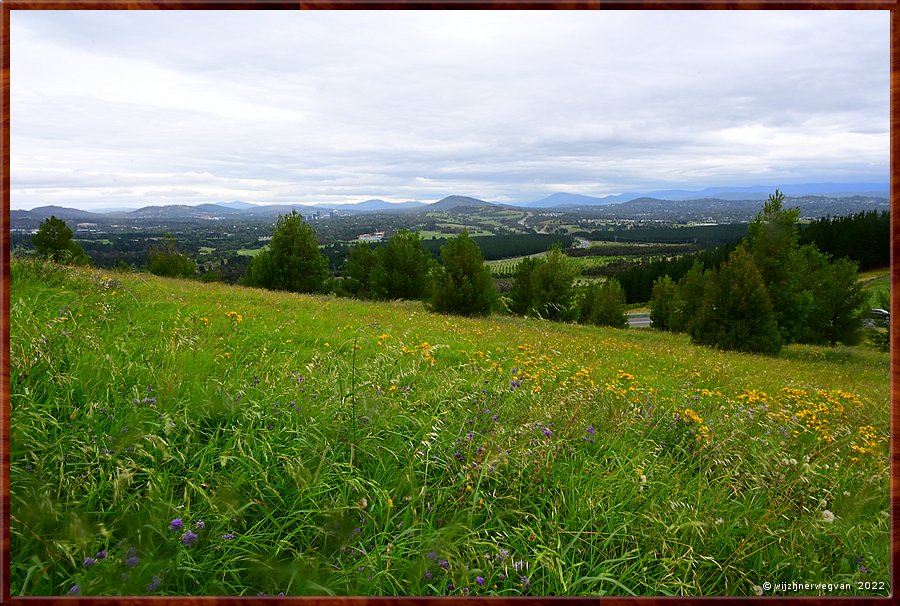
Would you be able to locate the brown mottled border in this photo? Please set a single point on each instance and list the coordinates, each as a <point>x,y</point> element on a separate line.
<point>9,5</point>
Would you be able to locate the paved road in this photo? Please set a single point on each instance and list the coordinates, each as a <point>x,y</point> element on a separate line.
<point>639,320</point>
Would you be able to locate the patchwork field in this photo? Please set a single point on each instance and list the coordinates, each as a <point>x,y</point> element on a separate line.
<point>180,438</point>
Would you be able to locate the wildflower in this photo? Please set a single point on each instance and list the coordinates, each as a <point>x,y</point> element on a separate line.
<point>465,591</point>
<point>450,586</point>
<point>444,564</point>
<point>228,536</point>
<point>591,430</point>
<point>547,431</point>
<point>189,539</point>
<point>524,582</point>
<point>514,383</point>
<point>480,581</point>
<point>827,516</point>
<point>428,576</point>
<point>642,479</point>
<point>154,585</point>
<point>176,524</point>
<point>200,525</point>
<point>432,555</point>
<point>519,566</point>
<point>757,590</point>
<point>74,590</point>
<point>132,560</point>
<point>89,561</point>
<point>101,555</point>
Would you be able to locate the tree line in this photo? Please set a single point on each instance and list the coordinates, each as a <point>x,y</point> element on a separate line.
<point>757,295</point>
<point>770,291</point>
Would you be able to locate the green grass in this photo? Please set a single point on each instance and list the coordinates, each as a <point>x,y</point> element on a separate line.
<point>334,446</point>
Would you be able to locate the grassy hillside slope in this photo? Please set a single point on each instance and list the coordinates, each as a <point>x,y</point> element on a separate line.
<point>173,437</point>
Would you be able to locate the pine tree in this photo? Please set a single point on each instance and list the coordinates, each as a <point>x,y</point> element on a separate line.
<point>53,241</point>
<point>401,271</point>
<point>293,261</point>
<point>462,285</point>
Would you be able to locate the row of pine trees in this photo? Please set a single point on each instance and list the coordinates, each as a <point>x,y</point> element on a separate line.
<point>770,291</point>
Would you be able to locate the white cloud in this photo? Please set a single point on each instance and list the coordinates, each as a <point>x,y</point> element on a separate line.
<point>278,106</point>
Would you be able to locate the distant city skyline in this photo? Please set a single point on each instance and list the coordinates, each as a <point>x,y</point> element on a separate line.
<point>125,109</point>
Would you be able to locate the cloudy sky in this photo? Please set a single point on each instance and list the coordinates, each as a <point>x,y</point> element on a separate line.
<point>127,109</point>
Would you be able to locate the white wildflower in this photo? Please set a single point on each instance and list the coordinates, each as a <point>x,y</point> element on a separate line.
<point>827,516</point>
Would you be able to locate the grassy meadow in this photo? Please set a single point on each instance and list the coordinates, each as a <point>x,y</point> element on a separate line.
<point>180,438</point>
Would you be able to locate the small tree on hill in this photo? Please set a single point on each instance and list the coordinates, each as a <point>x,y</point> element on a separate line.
<point>360,262</point>
<point>688,300</point>
<point>53,241</point>
<point>604,305</point>
<point>401,271</point>
<point>737,311</point>
<point>662,303</point>
<point>167,261</point>
<point>543,287</point>
<point>462,285</point>
<point>836,299</point>
<point>293,261</point>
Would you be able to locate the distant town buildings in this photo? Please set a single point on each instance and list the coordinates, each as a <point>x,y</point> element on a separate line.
<point>378,236</point>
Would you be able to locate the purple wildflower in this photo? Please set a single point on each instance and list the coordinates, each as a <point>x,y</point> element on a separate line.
<point>101,555</point>
<point>189,539</point>
<point>547,431</point>
<point>450,586</point>
<point>465,591</point>
<point>428,576</point>
<point>501,576</point>
<point>519,566</point>
<point>432,555</point>
<point>176,524</point>
<point>154,585</point>
<point>524,582</point>
<point>74,590</point>
<point>89,561</point>
<point>591,430</point>
<point>514,384</point>
<point>200,525</point>
<point>132,560</point>
<point>444,564</point>
<point>228,536</point>
<point>480,581</point>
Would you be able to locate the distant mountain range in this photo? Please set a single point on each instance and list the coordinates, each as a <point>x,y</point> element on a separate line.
<point>661,201</point>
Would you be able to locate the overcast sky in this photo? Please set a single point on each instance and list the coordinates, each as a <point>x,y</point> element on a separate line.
<point>133,108</point>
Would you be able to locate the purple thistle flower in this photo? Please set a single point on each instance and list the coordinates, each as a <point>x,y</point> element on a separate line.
<point>89,561</point>
<point>176,524</point>
<point>480,581</point>
<point>101,555</point>
<point>189,539</point>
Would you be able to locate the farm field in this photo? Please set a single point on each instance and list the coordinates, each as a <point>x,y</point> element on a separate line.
<point>181,438</point>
